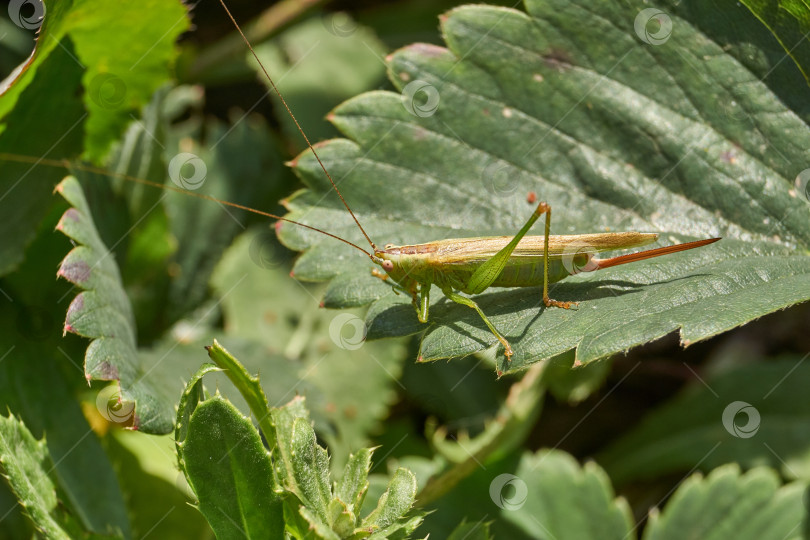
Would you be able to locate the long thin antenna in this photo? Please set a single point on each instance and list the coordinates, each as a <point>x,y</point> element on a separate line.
<point>65,164</point>
<point>650,253</point>
<point>304,135</point>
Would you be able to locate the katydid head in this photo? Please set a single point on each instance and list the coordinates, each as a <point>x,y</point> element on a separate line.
<point>389,259</point>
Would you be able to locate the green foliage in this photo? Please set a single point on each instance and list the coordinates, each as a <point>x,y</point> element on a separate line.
<point>244,489</point>
<point>92,67</point>
<point>710,424</point>
<point>651,153</point>
<point>684,118</point>
<point>26,465</point>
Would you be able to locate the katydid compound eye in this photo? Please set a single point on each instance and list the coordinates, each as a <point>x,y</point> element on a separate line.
<point>387,265</point>
<point>389,246</point>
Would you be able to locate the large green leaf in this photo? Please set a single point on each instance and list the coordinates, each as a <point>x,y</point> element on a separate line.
<point>102,312</point>
<point>618,127</point>
<point>751,505</point>
<point>750,415</point>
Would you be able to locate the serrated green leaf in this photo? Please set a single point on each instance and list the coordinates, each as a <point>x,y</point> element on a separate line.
<point>711,423</point>
<point>102,312</point>
<point>789,21</point>
<point>353,486</point>
<point>45,398</point>
<point>231,473</point>
<point>395,502</point>
<point>615,132</point>
<point>26,464</point>
<point>192,396</point>
<point>310,469</point>
<point>248,385</point>
<point>552,496</point>
<point>745,506</point>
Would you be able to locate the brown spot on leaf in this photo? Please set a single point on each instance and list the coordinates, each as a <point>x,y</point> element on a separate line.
<point>558,59</point>
<point>76,272</point>
<point>107,372</point>
<point>350,411</point>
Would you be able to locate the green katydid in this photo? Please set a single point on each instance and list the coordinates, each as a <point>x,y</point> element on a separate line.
<point>472,265</point>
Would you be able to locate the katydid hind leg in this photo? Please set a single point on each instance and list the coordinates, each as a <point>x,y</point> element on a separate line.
<point>546,300</point>
<point>463,300</point>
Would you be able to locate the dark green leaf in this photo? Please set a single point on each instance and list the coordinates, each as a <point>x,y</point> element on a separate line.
<point>231,473</point>
<point>534,104</point>
<point>789,20</point>
<point>749,415</point>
